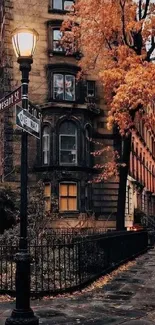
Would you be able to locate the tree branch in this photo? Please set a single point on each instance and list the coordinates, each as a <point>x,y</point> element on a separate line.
<point>150,51</point>
<point>122,5</point>
<point>146,9</point>
<point>140,9</point>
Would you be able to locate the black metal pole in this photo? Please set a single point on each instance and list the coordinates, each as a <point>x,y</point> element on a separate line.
<point>23,314</point>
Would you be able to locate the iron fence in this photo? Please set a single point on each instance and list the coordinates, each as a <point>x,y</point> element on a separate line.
<point>69,262</point>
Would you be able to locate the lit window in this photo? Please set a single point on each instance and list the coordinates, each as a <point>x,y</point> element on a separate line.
<point>63,5</point>
<point>68,143</point>
<point>47,196</point>
<point>68,197</point>
<point>64,87</point>
<point>46,145</point>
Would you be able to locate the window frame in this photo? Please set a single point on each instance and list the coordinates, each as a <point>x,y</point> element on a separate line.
<point>53,25</point>
<point>88,145</point>
<point>90,84</point>
<point>76,144</point>
<point>57,10</point>
<point>54,51</point>
<point>48,142</point>
<point>64,75</point>
<point>68,183</point>
<point>63,68</point>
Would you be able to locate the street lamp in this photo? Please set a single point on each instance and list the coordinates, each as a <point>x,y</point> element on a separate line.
<point>24,42</point>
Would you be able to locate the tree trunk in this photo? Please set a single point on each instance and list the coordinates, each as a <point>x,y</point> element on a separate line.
<point>125,159</point>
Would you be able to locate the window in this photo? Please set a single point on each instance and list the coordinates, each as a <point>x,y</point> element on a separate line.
<point>47,196</point>
<point>64,87</point>
<point>63,5</point>
<point>87,147</point>
<point>68,196</point>
<point>46,145</point>
<point>68,143</point>
<point>56,45</point>
<point>129,198</point>
<point>90,88</point>
<point>57,35</point>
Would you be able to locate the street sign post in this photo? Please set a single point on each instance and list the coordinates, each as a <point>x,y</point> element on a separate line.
<point>27,121</point>
<point>11,99</point>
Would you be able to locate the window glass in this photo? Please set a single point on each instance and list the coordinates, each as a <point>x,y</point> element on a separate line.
<point>57,35</point>
<point>90,88</point>
<point>68,157</point>
<point>68,5</point>
<point>58,91</point>
<point>63,5</point>
<point>73,190</point>
<point>68,197</point>
<point>63,204</point>
<point>72,204</point>
<point>57,4</point>
<point>47,197</point>
<point>68,143</point>
<point>63,190</point>
<point>47,190</point>
<point>69,87</point>
<point>64,87</point>
<point>87,147</point>
<point>68,127</point>
<point>46,145</point>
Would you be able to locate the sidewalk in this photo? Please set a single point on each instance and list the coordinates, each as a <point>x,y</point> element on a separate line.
<point>129,296</point>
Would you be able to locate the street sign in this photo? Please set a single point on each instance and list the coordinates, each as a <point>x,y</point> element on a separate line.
<point>11,99</point>
<point>27,121</point>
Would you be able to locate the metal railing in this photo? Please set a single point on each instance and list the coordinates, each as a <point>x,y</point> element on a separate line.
<point>67,263</point>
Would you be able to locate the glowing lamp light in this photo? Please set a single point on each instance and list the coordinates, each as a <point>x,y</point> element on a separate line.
<point>24,42</point>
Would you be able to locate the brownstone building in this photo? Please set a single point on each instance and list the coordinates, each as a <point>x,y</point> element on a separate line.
<point>72,112</point>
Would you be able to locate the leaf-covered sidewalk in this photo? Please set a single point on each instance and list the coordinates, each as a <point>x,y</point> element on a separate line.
<point>126,294</point>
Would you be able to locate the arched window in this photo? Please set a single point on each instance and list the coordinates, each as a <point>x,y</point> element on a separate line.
<point>88,145</point>
<point>68,143</point>
<point>46,145</point>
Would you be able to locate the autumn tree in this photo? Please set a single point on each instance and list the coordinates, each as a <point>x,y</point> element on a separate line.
<point>117,42</point>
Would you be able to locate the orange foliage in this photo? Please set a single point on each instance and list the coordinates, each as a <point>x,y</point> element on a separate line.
<point>116,38</point>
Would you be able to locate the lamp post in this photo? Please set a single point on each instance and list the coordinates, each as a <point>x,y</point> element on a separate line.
<point>24,42</point>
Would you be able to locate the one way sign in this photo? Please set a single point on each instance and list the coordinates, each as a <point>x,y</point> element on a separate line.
<point>27,121</point>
